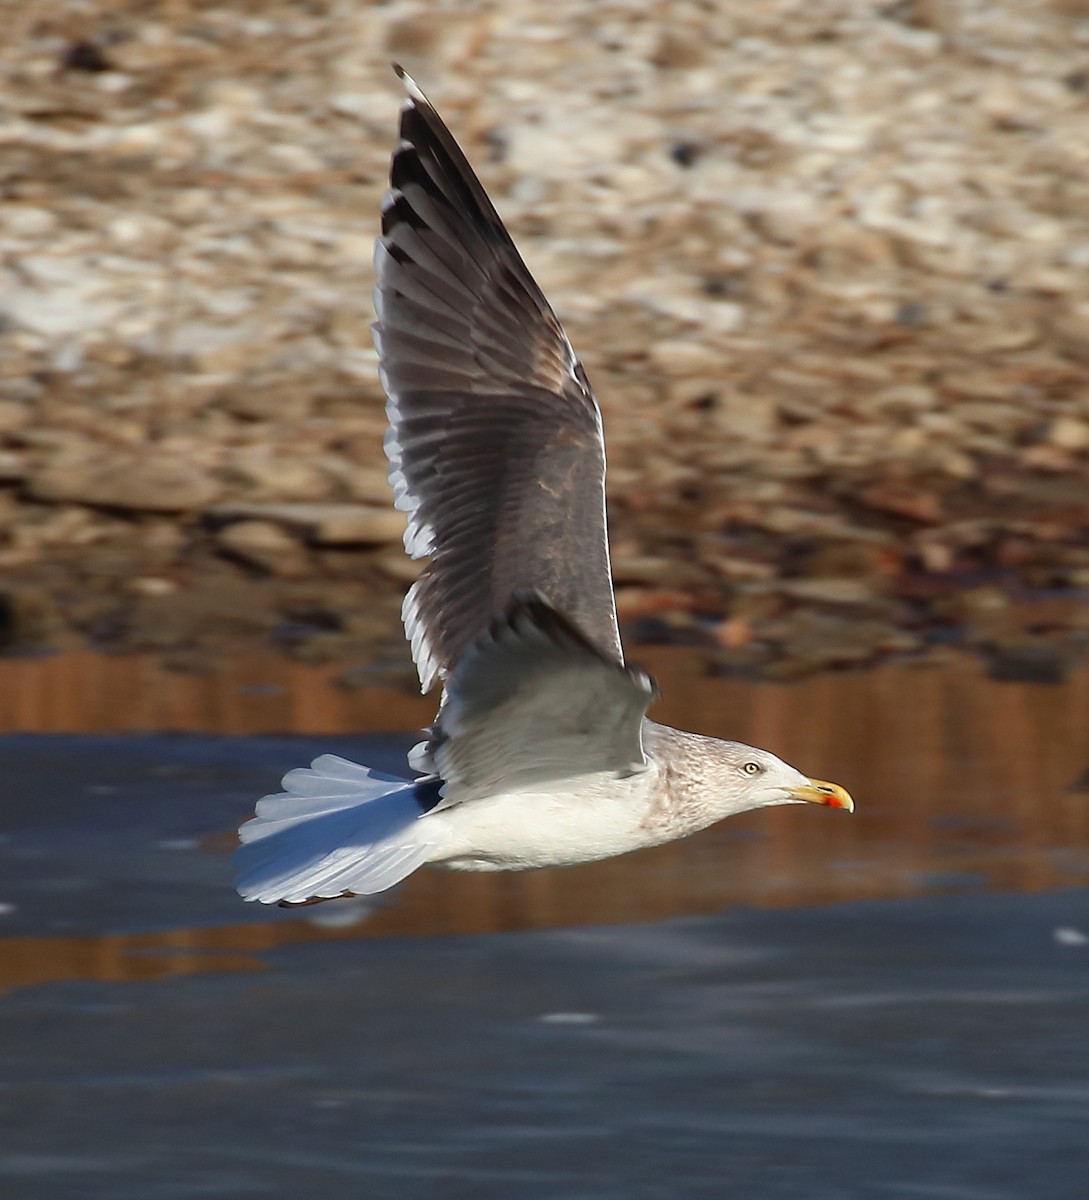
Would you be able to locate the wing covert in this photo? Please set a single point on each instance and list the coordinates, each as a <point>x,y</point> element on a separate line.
<point>533,702</point>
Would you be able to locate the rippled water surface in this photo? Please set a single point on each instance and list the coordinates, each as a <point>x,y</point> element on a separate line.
<point>909,1021</point>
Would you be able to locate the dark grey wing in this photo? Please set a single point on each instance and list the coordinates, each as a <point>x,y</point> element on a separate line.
<point>495,443</point>
<point>534,702</point>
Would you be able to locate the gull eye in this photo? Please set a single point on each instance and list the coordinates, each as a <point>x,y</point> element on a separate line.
<point>751,768</point>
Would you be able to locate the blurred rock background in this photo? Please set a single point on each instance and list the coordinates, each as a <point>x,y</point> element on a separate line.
<point>826,262</point>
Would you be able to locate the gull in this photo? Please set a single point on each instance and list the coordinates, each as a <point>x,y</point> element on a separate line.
<point>541,754</point>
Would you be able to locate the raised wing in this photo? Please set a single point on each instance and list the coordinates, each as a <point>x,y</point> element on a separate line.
<point>533,702</point>
<point>495,443</point>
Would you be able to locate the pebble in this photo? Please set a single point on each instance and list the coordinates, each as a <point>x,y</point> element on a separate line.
<point>828,591</point>
<point>1069,433</point>
<point>141,484</point>
<point>267,546</point>
<point>323,524</point>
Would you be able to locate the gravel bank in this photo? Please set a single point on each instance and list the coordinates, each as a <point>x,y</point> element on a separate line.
<point>826,264</point>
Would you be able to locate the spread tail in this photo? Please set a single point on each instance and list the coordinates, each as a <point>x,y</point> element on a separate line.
<point>336,828</point>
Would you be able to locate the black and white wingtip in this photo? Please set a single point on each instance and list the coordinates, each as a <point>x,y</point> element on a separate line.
<point>411,86</point>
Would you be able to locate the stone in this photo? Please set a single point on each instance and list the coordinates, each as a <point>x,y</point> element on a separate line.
<point>394,563</point>
<point>13,417</point>
<point>258,403</point>
<point>634,603</point>
<point>828,591</point>
<point>29,616</point>
<point>367,484</point>
<point>733,633</point>
<point>141,484</point>
<point>1069,433</point>
<point>323,524</point>
<point>266,546</point>
<point>282,478</point>
<point>13,467</point>
<point>152,585</point>
<point>667,572</point>
<point>903,500</point>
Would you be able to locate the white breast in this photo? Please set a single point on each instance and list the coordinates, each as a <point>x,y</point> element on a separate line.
<point>587,818</point>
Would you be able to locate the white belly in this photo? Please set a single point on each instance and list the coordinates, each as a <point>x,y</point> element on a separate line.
<point>594,817</point>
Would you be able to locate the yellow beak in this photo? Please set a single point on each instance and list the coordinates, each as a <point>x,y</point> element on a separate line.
<point>816,791</point>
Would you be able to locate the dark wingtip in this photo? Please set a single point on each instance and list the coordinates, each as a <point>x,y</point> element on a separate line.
<point>415,92</point>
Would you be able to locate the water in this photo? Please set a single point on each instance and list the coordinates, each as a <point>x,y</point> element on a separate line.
<point>797,1004</point>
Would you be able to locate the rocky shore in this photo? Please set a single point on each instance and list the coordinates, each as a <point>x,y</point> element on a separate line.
<point>827,265</point>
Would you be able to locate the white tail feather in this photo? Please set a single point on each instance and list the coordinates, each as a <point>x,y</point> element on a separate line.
<point>337,827</point>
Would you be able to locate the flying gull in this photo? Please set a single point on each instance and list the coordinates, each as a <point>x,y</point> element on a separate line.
<point>541,754</point>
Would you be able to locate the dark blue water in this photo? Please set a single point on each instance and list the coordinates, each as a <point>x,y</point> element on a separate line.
<point>923,1047</point>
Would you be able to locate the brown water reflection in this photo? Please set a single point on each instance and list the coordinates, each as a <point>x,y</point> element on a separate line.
<point>960,782</point>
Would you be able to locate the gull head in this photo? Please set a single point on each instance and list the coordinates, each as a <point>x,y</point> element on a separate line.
<point>757,779</point>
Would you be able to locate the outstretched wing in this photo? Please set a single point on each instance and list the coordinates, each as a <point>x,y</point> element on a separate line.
<point>534,702</point>
<point>495,443</point>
